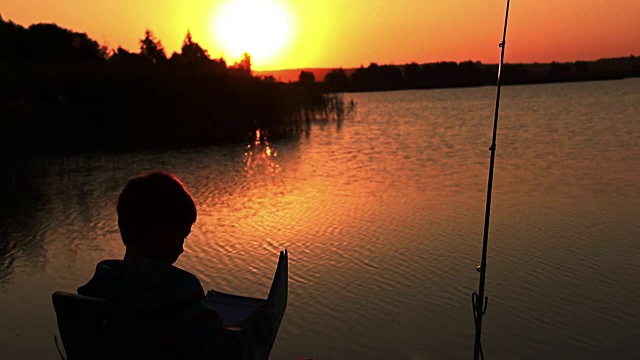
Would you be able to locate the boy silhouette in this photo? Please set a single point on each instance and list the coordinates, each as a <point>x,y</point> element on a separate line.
<point>160,309</point>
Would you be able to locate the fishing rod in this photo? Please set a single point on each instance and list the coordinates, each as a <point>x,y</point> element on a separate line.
<point>478,300</point>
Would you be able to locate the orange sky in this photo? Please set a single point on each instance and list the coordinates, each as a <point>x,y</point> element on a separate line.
<point>334,33</point>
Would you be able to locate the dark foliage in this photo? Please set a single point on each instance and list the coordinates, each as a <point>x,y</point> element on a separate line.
<point>468,73</point>
<point>60,92</point>
<point>337,79</point>
<point>306,78</point>
<point>151,49</point>
<point>47,44</point>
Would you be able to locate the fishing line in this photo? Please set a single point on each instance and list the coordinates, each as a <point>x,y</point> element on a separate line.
<point>478,300</point>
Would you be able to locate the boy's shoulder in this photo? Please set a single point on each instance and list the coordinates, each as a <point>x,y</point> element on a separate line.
<point>100,285</point>
<point>187,279</point>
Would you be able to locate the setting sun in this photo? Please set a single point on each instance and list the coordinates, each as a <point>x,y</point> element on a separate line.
<point>261,28</point>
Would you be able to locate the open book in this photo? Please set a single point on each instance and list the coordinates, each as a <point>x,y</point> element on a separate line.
<point>235,309</point>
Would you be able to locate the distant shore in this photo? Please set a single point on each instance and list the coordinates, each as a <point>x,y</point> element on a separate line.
<point>376,77</point>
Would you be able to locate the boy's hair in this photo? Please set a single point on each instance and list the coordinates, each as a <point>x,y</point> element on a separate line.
<point>153,201</point>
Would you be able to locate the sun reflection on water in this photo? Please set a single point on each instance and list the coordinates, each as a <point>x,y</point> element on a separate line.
<point>259,156</point>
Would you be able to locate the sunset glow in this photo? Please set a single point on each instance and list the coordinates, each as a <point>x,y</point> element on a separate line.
<point>288,34</point>
<point>261,28</point>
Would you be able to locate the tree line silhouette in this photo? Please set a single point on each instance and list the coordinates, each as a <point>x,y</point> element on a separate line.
<point>446,74</point>
<point>61,91</point>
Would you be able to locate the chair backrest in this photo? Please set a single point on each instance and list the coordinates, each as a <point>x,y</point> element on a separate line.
<point>82,324</point>
<point>92,328</point>
<point>87,324</point>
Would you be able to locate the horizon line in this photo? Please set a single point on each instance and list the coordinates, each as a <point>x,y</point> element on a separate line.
<point>441,61</point>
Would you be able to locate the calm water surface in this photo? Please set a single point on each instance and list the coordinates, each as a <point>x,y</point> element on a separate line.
<point>383,218</point>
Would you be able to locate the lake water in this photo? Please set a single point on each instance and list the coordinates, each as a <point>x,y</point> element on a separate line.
<point>383,219</point>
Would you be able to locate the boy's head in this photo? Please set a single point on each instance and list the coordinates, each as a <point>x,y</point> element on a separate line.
<point>155,215</point>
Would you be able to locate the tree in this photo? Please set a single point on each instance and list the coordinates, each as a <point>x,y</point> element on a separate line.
<point>412,72</point>
<point>192,52</point>
<point>306,78</point>
<point>123,58</point>
<point>336,78</point>
<point>244,64</point>
<point>151,49</point>
<point>13,41</point>
<point>560,71</point>
<point>49,43</point>
<point>359,76</point>
<point>377,75</point>
<point>582,68</point>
